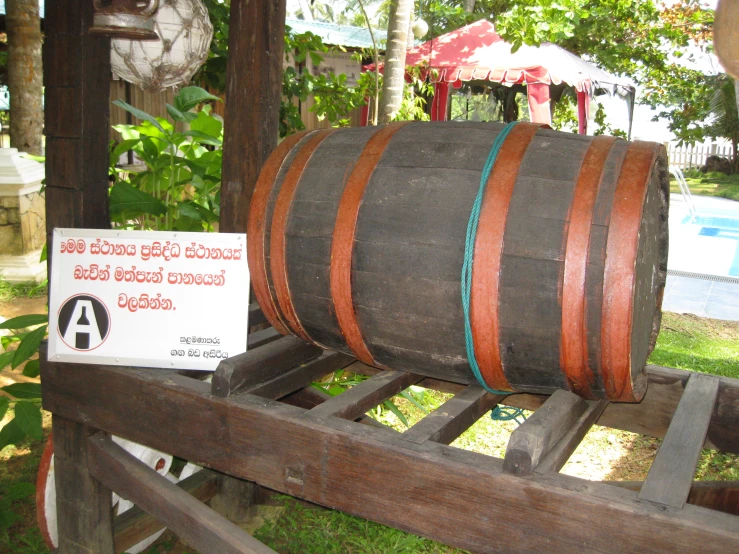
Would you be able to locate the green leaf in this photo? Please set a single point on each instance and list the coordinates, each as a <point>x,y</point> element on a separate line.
<point>123,196</point>
<point>207,125</point>
<point>189,210</point>
<point>189,97</point>
<point>11,434</point>
<point>4,403</point>
<point>393,408</point>
<point>28,416</point>
<point>174,113</point>
<point>19,491</point>
<point>23,390</point>
<point>29,346</point>
<point>123,147</point>
<point>23,321</point>
<point>44,253</point>
<point>7,518</point>
<point>32,368</point>
<point>138,113</point>
<point>6,358</point>
<point>203,138</point>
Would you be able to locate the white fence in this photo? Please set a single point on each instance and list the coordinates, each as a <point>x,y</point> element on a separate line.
<point>686,157</point>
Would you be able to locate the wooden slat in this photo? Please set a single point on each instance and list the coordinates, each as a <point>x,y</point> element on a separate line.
<point>84,515</point>
<point>310,397</point>
<point>262,337</point>
<point>540,432</point>
<point>561,452</point>
<point>714,495</point>
<point>186,516</point>
<point>256,316</point>
<point>259,365</point>
<point>671,475</point>
<point>366,395</point>
<point>436,490</point>
<point>301,376</point>
<point>134,525</point>
<point>454,417</point>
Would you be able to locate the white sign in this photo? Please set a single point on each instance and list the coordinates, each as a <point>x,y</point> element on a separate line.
<point>151,299</point>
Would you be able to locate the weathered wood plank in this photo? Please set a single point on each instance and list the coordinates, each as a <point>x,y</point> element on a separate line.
<point>563,449</point>
<point>83,504</point>
<point>253,105</point>
<point>262,337</point>
<point>189,518</point>
<point>256,316</point>
<point>454,417</point>
<point>354,402</point>
<point>714,495</point>
<point>134,525</point>
<point>261,364</point>
<point>671,475</point>
<point>301,376</point>
<point>235,499</point>
<point>540,432</point>
<point>433,486</point>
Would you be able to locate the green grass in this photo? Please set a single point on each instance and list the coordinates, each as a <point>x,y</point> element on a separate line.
<point>303,528</point>
<point>710,184</point>
<point>698,344</point>
<point>12,291</point>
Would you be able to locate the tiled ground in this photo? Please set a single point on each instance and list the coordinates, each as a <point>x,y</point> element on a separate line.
<point>700,247</point>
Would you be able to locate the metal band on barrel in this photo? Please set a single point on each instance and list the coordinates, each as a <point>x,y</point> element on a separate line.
<point>619,276</point>
<point>574,349</point>
<point>280,216</point>
<point>256,231</point>
<point>342,245</point>
<point>489,252</point>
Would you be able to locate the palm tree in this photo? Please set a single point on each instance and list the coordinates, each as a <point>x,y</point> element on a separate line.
<point>394,73</point>
<point>723,120</point>
<point>25,76</point>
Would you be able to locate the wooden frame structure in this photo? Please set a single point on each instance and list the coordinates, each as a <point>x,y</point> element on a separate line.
<point>258,421</point>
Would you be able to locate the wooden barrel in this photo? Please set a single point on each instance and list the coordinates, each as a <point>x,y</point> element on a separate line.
<point>356,240</point>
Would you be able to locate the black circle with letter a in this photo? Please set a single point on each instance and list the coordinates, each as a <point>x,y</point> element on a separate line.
<point>84,322</point>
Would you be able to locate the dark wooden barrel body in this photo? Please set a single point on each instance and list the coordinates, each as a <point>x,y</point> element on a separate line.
<point>356,241</point>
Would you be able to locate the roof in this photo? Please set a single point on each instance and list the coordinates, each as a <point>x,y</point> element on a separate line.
<point>477,52</point>
<point>40,5</point>
<point>338,35</point>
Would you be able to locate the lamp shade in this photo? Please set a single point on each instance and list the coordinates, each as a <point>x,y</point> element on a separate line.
<point>185,32</point>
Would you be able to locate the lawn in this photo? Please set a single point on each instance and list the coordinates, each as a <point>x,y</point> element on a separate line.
<point>709,184</point>
<point>291,526</point>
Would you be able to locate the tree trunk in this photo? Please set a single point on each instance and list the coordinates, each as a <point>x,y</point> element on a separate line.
<point>469,5</point>
<point>394,74</point>
<point>735,161</point>
<point>25,76</point>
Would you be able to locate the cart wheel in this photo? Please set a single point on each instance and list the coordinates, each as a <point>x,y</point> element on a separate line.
<point>46,488</point>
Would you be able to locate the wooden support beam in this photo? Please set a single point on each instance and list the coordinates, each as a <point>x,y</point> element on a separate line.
<point>235,499</point>
<point>262,337</point>
<point>253,92</point>
<point>454,417</point>
<point>189,518</point>
<point>722,496</point>
<point>310,397</point>
<point>540,432</point>
<point>671,475</point>
<point>256,316</point>
<point>301,376</point>
<point>83,504</point>
<point>354,402</point>
<point>561,452</point>
<point>134,525</point>
<point>259,365</point>
<point>436,489</point>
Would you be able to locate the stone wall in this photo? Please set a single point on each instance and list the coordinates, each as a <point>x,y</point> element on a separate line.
<point>22,224</point>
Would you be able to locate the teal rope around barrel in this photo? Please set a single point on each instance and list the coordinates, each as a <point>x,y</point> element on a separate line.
<point>502,414</point>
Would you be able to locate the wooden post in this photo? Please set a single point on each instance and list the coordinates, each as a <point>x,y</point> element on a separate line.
<point>253,90</point>
<point>77,81</point>
<point>83,504</point>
